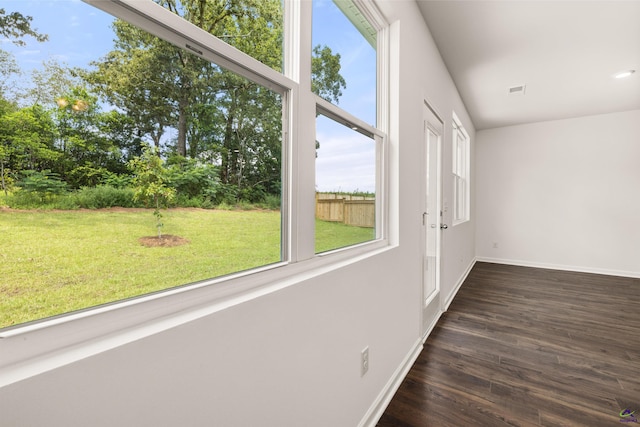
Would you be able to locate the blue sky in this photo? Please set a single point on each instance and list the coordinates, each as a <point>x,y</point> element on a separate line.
<point>79,33</point>
<point>346,159</point>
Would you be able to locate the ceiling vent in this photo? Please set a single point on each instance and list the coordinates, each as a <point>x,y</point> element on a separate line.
<point>517,90</point>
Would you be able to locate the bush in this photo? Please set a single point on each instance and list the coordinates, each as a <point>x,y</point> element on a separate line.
<point>227,194</point>
<point>117,181</point>
<point>20,199</point>
<point>270,202</point>
<point>104,196</point>
<point>185,201</point>
<point>44,184</point>
<point>65,202</point>
<point>224,206</point>
<point>85,176</point>
<point>193,179</point>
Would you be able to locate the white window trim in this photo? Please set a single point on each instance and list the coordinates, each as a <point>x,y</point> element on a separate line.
<point>458,129</point>
<point>40,346</point>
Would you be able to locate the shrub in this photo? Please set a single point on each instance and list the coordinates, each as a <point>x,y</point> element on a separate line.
<point>85,176</point>
<point>194,179</point>
<point>270,202</point>
<point>227,194</point>
<point>244,205</point>
<point>65,202</point>
<point>21,199</point>
<point>44,184</point>
<point>224,206</point>
<point>104,196</point>
<point>117,181</point>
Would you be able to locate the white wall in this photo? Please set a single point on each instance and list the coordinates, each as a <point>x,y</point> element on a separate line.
<point>290,357</point>
<point>562,194</point>
<point>425,77</point>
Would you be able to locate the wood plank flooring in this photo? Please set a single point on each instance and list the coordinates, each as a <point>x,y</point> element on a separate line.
<point>528,347</point>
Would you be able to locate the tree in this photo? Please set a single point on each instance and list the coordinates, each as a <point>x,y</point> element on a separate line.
<point>27,139</point>
<point>5,108</point>
<point>326,81</point>
<point>214,114</point>
<point>8,69</point>
<point>15,26</point>
<point>139,78</point>
<point>51,82</point>
<point>151,182</point>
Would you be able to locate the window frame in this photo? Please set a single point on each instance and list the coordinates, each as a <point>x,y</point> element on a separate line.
<point>68,337</point>
<point>358,11</point>
<point>335,113</point>
<point>461,153</point>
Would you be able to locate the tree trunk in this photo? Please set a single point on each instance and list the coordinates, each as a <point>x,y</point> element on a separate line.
<point>227,151</point>
<point>4,187</point>
<point>182,127</point>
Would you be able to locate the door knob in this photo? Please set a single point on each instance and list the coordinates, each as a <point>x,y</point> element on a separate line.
<point>443,226</point>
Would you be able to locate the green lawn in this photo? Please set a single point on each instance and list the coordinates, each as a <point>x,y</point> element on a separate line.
<point>56,262</point>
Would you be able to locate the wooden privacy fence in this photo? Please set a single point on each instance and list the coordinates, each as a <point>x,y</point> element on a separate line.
<point>351,210</point>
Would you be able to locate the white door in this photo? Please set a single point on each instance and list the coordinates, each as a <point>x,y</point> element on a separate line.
<point>431,218</point>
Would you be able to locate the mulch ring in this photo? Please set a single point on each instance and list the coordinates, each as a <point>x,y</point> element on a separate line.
<point>166,240</point>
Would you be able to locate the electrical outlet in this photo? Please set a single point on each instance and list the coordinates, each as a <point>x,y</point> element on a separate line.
<point>364,361</point>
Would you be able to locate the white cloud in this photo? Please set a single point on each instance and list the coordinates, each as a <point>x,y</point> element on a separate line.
<point>28,52</point>
<point>345,162</point>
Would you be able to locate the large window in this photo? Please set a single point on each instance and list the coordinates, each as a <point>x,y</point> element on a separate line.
<point>347,155</point>
<point>140,153</point>
<point>345,185</point>
<point>461,188</point>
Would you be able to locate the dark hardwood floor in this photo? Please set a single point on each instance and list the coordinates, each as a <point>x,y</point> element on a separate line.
<point>528,347</point>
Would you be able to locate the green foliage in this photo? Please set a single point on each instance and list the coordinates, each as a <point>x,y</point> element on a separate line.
<point>355,192</point>
<point>193,179</point>
<point>185,201</point>
<point>270,202</point>
<point>18,199</point>
<point>151,182</point>
<point>15,26</point>
<point>8,68</point>
<point>27,138</point>
<point>43,183</point>
<point>326,80</point>
<point>228,194</point>
<point>104,196</point>
<point>117,181</point>
<point>151,179</point>
<point>100,197</point>
<point>158,90</point>
<point>50,83</point>
<point>86,175</point>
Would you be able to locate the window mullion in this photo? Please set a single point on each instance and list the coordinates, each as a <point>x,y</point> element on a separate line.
<point>303,150</point>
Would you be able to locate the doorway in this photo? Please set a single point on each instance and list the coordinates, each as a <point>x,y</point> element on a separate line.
<point>432,225</point>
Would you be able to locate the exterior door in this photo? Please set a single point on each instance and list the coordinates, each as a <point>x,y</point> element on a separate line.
<point>431,218</point>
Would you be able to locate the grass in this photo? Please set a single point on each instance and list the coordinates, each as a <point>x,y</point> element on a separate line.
<point>56,262</point>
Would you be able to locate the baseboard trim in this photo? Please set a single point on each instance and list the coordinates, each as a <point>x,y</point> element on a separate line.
<point>431,326</point>
<point>376,410</point>
<point>461,280</point>
<point>579,269</point>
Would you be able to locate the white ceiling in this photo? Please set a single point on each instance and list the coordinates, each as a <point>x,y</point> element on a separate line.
<point>565,52</point>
